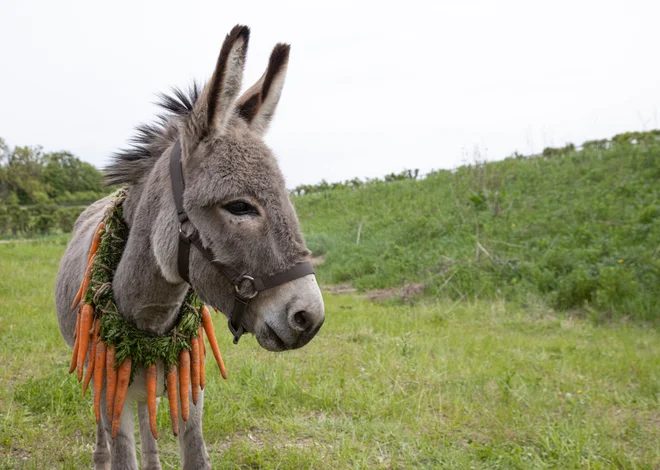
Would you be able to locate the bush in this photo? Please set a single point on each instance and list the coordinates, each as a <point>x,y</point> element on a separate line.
<point>34,183</point>
<point>576,289</point>
<point>40,219</point>
<point>67,217</point>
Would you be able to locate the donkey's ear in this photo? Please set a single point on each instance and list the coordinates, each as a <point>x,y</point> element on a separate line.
<point>219,95</point>
<point>258,103</point>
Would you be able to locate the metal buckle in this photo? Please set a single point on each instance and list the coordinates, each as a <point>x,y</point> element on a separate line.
<point>237,332</point>
<point>240,291</point>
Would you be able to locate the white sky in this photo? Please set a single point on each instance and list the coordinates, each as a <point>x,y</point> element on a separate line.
<point>372,87</point>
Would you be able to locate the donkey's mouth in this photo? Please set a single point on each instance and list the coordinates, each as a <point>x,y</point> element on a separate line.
<point>273,339</point>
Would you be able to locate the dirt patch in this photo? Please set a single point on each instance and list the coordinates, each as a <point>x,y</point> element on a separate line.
<point>258,439</point>
<point>15,453</point>
<point>340,289</point>
<point>649,420</point>
<point>317,260</point>
<point>405,292</point>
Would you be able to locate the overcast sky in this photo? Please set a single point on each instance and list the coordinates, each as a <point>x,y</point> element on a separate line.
<point>372,87</point>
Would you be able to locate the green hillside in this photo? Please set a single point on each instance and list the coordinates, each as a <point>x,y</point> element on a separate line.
<point>576,228</point>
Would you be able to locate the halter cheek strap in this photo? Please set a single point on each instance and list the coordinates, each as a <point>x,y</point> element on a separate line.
<point>246,287</point>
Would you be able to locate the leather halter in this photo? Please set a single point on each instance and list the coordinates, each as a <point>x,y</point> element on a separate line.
<point>246,287</point>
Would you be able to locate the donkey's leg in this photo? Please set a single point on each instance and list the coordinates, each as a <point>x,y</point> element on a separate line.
<point>102,451</point>
<point>122,447</point>
<point>191,443</point>
<point>150,460</point>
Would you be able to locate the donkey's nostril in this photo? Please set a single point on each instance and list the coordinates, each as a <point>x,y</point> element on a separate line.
<point>304,318</point>
<point>301,319</point>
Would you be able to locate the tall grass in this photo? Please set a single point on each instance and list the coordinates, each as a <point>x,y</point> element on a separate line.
<point>579,228</point>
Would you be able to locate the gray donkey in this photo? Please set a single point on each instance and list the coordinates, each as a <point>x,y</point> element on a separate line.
<point>235,200</point>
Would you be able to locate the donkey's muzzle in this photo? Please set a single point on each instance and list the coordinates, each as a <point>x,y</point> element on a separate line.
<point>305,321</point>
<point>303,324</point>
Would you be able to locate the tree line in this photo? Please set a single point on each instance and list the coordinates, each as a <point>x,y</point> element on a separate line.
<point>43,192</point>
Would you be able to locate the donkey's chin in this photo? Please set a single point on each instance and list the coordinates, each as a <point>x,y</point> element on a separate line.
<point>276,339</point>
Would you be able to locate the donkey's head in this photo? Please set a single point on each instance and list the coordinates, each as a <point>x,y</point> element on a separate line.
<point>236,198</point>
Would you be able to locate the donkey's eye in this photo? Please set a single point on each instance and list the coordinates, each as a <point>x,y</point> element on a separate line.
<point>240,208</point>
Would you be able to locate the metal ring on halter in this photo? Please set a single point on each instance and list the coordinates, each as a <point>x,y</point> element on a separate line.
<point>240,284</point>
<point>181,231</point>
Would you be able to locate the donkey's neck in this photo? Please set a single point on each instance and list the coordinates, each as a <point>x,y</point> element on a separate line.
<point>142,292</point>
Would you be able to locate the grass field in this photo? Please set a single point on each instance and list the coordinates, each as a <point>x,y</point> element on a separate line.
<point>438,384</point>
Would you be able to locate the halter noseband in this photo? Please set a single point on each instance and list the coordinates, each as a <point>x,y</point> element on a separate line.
<point>246,287</point>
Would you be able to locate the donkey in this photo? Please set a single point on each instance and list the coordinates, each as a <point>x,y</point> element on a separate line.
<point>237,200</point>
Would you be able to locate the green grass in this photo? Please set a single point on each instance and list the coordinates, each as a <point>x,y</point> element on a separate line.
<point>441,384</point>
<point>580,229</point>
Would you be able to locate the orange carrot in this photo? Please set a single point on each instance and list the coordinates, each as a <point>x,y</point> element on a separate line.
<point>172,397</point>
<point>96,241</point>
<point>90,368</point>
<point>76,299</point>
<point>90,363</point>
<point>202,358</point>
<point>99,366</point>
<point>202,373</point>
<point>194,368</point>
<point>213,342</point>
<point>92,356</point>
<point>80,316</point>
<point>80,296</point>
<point>151,381</point>
<point>200,332</point>
<point>87,279</point>
<point>78,336</point>
<point>85,332</point>
<point>74,357</point>
<point>123,377</point>
<point>184,382</point>
<point>76,346</point>
<point>97,330</point>
<point>110,380</point>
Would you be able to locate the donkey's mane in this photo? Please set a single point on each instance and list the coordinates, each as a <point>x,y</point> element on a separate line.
<point>131,164</point>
